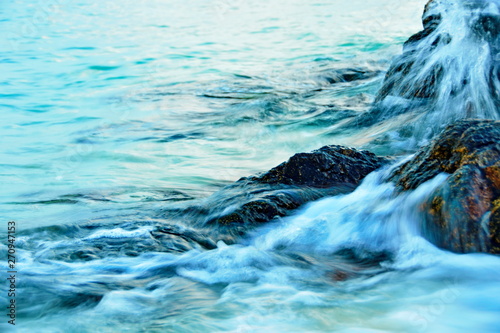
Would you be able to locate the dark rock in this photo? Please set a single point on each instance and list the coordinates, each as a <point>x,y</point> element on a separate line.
<point>163,237</point>
<point>431,16</point>
<point>267,205</point>
<point>430,74</point>
<point>325,167</point>
<point>333,76</point>
<point>330,170</point>
<point>487,27</point>
<point>395,83</point>
<point>404,79</point>
<point>463,214</point>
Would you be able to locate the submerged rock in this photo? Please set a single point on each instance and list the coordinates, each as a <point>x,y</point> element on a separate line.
<point>463,214</point>
<point>334,76</point>
<point>121,238</point>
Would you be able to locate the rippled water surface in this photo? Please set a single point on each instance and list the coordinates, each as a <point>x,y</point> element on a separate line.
<point>114,111</point>
<point>126,101</point>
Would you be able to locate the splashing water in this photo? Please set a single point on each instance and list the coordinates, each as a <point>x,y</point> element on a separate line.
<point>448,71</point>
<point>383,223</point>
<point>355,262</point>
<point>468,56</point>
<point>351,263</point>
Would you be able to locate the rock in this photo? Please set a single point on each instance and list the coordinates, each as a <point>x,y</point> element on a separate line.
<point>405,80</point>
<point>463,214</point>
<point>325,167</point>
<point>396,80</point>
<point>424,75</point>
<point>487,27</point>
<point>162,237</point>
<point>438,76</point>
<point>330,170</point>
<point>431,17</point>
<point>334,76</point>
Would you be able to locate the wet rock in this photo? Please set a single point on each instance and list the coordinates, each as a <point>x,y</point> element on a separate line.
<point>162,237</point>
<point>463,214</point>
<point>325,167</point>
<point>265,204</point>
<point>333,76</point>
<point>431,16</point>
<point>395,83</point>
<point>396,80</point>
<point>487,26</point>
<point>435,80</point>
<point>405,87</point>
<point>329,170</point>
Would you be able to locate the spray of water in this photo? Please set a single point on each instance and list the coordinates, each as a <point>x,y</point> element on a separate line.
<point>448,71</point>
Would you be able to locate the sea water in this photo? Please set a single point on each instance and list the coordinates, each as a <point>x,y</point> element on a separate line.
<point>115,111</point>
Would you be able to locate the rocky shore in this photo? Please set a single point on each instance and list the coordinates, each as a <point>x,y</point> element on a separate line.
<point>462,215</point>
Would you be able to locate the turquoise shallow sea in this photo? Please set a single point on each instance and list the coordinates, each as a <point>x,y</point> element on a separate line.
<point>112,111</point>
<point>112,100</point>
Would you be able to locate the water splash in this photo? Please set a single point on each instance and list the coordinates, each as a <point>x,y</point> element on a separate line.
<point>382,223</point>
<point>290,276</point>
<point>296,268</point>
<point>448,71</point>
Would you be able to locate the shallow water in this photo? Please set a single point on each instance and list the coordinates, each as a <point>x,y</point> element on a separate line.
<point>116,113</point>
<point>129,102</point>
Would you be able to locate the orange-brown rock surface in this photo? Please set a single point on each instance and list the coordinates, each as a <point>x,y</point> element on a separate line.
<point>463,214</point>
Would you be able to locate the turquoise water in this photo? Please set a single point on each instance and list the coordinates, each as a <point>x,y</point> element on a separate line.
<point>111,101</point>
<point>114,112</point>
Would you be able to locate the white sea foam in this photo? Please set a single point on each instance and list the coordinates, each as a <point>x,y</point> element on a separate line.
<point>120,233</point>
